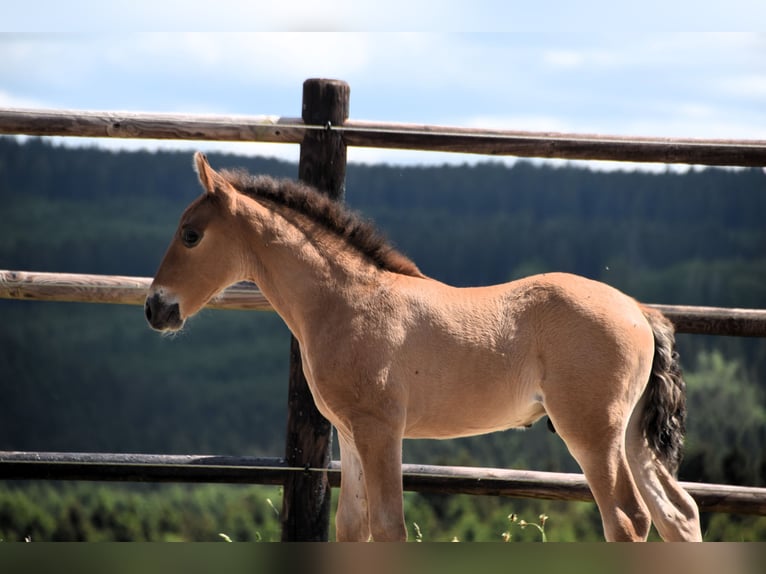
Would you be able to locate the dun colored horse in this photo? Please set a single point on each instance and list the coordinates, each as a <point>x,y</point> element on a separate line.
<point>391,354</point>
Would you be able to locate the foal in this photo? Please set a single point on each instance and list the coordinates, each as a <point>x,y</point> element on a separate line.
<point>389,353</point>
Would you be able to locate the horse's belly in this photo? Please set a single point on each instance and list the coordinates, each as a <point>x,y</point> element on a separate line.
<point>463,419</point>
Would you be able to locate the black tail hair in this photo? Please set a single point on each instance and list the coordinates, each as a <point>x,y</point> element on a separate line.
<point>664,420</point>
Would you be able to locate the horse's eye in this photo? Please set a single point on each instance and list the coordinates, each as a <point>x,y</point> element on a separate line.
<point>190,237</point>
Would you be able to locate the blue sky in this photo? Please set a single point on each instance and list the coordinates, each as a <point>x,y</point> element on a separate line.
<point>660,83</point>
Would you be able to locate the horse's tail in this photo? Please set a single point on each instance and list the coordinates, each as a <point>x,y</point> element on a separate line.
<point>664,417</point>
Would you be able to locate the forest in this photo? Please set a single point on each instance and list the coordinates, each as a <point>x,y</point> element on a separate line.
<point>77,377</point>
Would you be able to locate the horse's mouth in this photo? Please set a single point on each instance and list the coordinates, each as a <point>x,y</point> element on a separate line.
<point>161,315</point>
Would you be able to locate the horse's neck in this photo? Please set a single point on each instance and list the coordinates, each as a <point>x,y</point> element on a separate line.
<point>303,273</point>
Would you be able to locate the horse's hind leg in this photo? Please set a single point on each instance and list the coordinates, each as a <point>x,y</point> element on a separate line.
<point>623,513</point>
<point>673,510</point>
<point>595,436</point>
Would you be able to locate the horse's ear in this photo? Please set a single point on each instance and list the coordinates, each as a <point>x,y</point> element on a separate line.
<point>207,174</point>
<point>214,184</point>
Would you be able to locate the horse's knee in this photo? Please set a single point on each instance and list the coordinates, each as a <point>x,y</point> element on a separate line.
<point>682,522</point>
<point>626,525</point>
<point>387,521</point>
<point>678,528</point>
<point>642,523</point>
<point>689,529</point>
<point>389,530</point>
<point>350,532</point>
<point>351,520</point>
<point>635,512</point>
<point>690,514</point>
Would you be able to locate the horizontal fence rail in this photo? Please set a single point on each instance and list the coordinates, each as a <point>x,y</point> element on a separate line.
<point>72,287</point>
<point>117,289</point>
<point>273,471</point>
<point>275,129</point>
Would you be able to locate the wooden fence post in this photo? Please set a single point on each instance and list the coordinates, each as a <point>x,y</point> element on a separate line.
<point>306,499</point>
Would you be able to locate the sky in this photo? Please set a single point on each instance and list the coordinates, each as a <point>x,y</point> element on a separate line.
<point>655,82</point>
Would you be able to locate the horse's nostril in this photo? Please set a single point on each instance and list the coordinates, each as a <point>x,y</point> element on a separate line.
<point>161,315</point>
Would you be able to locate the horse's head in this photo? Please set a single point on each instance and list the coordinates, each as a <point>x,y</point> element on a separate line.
<point>203,258</point>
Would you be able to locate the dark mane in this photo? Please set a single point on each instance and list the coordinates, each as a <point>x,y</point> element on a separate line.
<point>334,217</point>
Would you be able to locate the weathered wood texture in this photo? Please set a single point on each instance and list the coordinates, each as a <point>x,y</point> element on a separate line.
<point>716,320</point>
<point>743,153</point>
<point>70,287</point>
<point>322,164</point>
<point>78,288</point>
<point>416,477</point>
<point>76,123</point>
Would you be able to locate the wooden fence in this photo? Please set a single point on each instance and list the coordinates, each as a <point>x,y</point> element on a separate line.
<point>323,132</point>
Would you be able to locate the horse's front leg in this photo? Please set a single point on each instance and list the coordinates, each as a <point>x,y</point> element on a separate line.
<point>379,445</point>
<point>352,520</point>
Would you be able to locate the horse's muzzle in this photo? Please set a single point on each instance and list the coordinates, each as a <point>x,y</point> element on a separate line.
<point>161,315</point>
